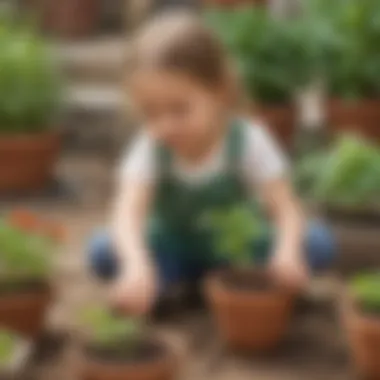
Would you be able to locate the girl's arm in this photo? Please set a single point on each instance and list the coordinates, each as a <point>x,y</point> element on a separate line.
<point>288,257</point>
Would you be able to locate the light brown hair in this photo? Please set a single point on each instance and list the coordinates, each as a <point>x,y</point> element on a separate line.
<point>181,42</point>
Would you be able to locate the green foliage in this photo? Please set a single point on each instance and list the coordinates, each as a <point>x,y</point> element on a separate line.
<point>234,231</point>
<point>352,66</point>
<point>8,344</point>
<point>347,173</point>
<point>366,291</point>
<point>276,57</point>
<point>30,87</point>
<point>107,329</point>
<point>24,255</point>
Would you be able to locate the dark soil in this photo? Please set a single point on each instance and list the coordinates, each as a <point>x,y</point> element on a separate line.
<point>369,310</point>
<point>125,353</point>
<point>24,286</point>
<point>246,281</point>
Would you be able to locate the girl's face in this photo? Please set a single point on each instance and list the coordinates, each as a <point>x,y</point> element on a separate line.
<point>179,111</point>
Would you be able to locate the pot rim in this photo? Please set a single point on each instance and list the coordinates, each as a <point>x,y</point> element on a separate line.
<point>213,283</point>
<point>24,136</point>
<point>167,359</point>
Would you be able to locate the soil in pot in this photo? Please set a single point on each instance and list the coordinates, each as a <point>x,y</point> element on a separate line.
<point>280,119</point>
<point>23,306</point>
<point>27,161</point>
<point>251,312</point>
<point>147,360</point>
<point>362,117</point>
<point>363,328</point>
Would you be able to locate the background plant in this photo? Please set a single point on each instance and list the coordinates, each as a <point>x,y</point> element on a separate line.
<point>276,57</point>
<point>347,173</point>
<point>366,291</point>
<point>106,329</point>
<point>30,86</point>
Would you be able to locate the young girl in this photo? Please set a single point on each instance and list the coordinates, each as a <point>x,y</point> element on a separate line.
<point>194,154</point>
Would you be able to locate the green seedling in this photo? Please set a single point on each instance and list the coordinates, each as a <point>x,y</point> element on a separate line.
<point>8,345</point>
<point>106,329</point>
<point>366,291</point>
<point>234,231</point>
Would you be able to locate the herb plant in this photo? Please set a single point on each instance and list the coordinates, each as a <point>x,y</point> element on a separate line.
<point>106,329</point>
<point>366,291</point>
<point>8,344</point>
<point>346,173</point>
<point>276,57</point>
<point>234,231</point>
<point>30,85</point>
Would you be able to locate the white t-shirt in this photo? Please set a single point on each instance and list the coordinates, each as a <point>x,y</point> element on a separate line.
<point>261,160</point>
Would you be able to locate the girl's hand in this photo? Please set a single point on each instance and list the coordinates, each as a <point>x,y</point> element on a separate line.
<point>290,270</point>
<point>136,291</point>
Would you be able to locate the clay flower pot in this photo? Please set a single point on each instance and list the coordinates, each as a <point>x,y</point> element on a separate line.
<point>23,308</point>
<point>361,116</point>
<point>27,161</point>
<point>363,332</point>
<point>251,313</point>
<point>150,361</point>
<point>280,119</point>
<point>70,18</point>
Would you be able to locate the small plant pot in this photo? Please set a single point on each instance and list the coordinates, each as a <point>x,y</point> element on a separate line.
<point>252,314</point>
<point>362,117</point>
<point>23,307</point>
<point>280,119</point>
<point>363,332</point>
<point>149,360</point>
<point>27,161</point>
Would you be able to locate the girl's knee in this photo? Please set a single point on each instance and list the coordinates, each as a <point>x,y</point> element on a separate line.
<point>320,246</point>
<point>102,258</point>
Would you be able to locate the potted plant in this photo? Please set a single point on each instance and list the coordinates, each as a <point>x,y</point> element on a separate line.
<point>276,58</point>
<point>343,177</point>
<point>26,245</point>
<point>351,69</point>
<point>29,97</point>
<point>116,348</point>
<point>251,311</point>
<point>362,321</point>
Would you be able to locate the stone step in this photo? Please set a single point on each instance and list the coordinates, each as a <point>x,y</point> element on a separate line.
<point>97,61</point>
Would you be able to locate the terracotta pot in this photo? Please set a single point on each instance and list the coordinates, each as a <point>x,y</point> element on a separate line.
<point>24,311</point>
<point>27,161</point>
<point>248,319</point>
<point>364,338</point>
<point>280,119</point>
<point>68,18</point>
<point>162,368</point>
<point>362,117</point>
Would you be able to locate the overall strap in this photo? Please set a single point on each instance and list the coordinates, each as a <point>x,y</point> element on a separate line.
<point>235,145</point>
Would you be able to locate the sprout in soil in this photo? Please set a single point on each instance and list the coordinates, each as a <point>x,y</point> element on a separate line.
<point>366,292</point>
<point>233,232</point>
<point>8,345</point>
<point>107,330</point>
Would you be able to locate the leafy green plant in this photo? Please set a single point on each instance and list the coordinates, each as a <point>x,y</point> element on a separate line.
<point>351,66</point>
<point>276,57</point>
<point>366,291</point>
<point>8,344</point>
<point>30,86</point>
<point>106,329</point>
<point>233,231</point>
<point>346,173</point>
<point>24,254</point>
